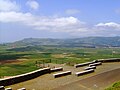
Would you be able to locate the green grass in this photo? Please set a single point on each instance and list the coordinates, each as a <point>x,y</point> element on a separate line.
<point>15,69</point>
<point>70,56</point>
<point>115,86</point>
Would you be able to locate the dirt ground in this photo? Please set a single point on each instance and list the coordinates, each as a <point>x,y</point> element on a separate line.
<point>96,82</point>
<point>10,61</point>
<point>104,75</point>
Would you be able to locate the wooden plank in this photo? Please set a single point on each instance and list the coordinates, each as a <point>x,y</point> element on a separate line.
<point>84,64</point>
<point>92,67</point>
<point>95,64</point>
<point>56,69</point>
<point>84,72</point>
<point>62,74</point>
<point>21,89</point>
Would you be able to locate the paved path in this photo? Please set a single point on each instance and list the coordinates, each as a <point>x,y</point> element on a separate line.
<point>97,82</point>
<point>47,82</point>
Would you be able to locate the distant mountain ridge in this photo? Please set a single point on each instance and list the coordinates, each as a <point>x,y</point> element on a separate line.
<point>75,42</point>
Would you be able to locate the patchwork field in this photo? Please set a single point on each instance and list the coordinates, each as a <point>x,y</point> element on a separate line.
<point>14,61</point>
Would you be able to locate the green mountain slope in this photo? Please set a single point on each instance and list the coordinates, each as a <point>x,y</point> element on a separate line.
<point>91,42</point>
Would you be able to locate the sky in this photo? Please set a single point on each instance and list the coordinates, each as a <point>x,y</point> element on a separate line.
<point>21,19</point>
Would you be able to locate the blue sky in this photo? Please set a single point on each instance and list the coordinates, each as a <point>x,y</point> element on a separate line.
<point>58,19</point>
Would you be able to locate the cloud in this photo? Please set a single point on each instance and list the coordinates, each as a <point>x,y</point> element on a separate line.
<point>108,29</point>
<point>13,17</point>
<point>10,13</point>
<point>71,25</point>
<point>109,25</point>
<point>59,24</point>
<point>8,5</point>
<point>72,11</point>
<point>33,4</point>
<point>56,24</point>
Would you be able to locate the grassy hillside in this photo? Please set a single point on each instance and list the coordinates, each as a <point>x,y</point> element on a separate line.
<point>115,86</point>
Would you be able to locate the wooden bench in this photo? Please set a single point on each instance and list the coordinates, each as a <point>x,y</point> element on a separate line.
<point>62,74</point>
<point>56,69</point>
<point>95,64</point>
<point>84,72</point>
<point>84,64</point>
<point>92,67</point>
<point>109,60</point>
<point>22,89</point>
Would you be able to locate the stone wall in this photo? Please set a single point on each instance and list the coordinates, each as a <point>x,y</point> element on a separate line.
<point>23,77</point>
<point>109,60</point>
